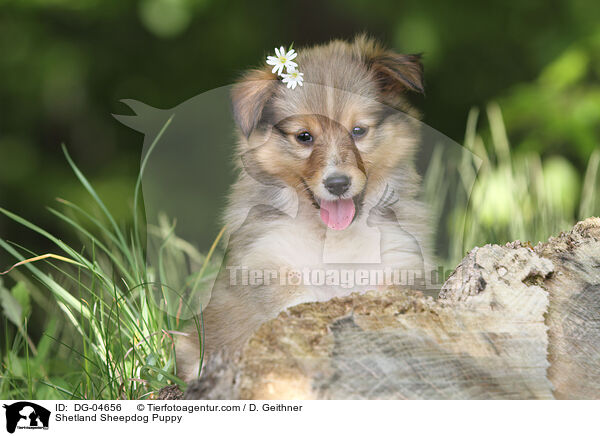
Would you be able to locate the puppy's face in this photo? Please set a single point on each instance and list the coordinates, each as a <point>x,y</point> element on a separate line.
<point>336,136</point>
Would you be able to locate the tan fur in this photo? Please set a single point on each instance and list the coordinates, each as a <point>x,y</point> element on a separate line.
<point>346,84</point>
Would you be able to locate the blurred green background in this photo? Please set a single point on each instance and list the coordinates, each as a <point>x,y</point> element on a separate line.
<point>65,65</point>
<point>516,82</point>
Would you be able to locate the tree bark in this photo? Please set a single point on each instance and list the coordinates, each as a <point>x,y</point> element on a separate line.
<point>511,322</point>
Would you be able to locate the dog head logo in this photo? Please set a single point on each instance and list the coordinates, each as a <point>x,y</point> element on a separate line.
<point>26,415</point>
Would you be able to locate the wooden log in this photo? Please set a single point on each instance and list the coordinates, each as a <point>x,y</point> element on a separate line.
<point>512,322</point>
<point>574,314</point>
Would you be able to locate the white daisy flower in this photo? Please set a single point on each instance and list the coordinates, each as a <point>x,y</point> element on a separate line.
<point>293,78</point>
<point>282,60</point>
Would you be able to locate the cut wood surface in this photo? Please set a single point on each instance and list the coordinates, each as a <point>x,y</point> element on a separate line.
<point>512,322</point>
<point>574,313</point>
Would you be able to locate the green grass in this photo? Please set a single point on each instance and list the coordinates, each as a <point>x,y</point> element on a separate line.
<point>496,196</point>
<point>115,337</point>
<point>112,321</point>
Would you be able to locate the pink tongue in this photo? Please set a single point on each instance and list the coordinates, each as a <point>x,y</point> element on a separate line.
<point>337,214</point>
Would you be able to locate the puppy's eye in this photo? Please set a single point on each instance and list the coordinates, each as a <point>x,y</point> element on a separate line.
<point>304,138</point>
<point>358,131</point>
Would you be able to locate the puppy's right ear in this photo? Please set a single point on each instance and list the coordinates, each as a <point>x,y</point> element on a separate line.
<point>249,97</point>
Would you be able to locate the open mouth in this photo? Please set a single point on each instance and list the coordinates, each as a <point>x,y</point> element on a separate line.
<point>336,214</point>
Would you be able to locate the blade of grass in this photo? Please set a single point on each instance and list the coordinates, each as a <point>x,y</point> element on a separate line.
<point>138,182</point>
<point>207,259</point>
<point>86,184</point>
<point>95,241</point>
<point>588,192</point>
<point>41,257</point>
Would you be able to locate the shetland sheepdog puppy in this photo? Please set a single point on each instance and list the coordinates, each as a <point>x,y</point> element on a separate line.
<point>326,183</point>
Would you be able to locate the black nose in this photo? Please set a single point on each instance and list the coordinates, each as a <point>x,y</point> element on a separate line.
<point>337,184</point>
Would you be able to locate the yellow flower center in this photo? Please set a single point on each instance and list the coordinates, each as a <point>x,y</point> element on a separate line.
<point>282,60</point>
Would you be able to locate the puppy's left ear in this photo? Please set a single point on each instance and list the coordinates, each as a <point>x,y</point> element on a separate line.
<point>398,73</point>
<point>249,97</point>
